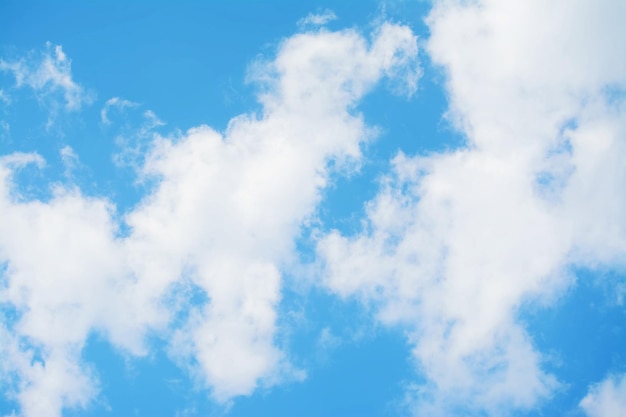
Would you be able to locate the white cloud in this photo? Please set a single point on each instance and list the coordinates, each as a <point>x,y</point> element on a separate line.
<point>62,279</point>
<point>47,74</point>
<point>5,129</point>
<point>317,19</point>
<point>151,121</point>
<point>221,221</point>
<point>4,97</point>
<point>456,243</point>
<point>135,142</point>
<point>606,399</point>
<point>114,102</point>
<point>229,207</point>
<point>327,340</point>
<point>70,159</point>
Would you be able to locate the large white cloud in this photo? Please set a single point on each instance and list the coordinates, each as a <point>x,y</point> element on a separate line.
<point>456,243</point>
<point>221,221</point>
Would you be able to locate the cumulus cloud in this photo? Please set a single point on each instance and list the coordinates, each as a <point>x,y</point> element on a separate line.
<point>220,222</point>
<point>456,243</point>
<point>606,399</point>
<point>48,73</point>
<point>49,250</point>
<point>229,206</point>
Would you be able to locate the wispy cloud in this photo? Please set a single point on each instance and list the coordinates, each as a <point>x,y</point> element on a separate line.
<point>135,142</point>
<point>70,160</point>
<point>4,97</point>
<point>48,74</point>
<point>317,19</point>
<point>5,129</point>
<point>114,102</point>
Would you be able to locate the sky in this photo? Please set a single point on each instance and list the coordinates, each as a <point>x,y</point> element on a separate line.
<point>316,209</point>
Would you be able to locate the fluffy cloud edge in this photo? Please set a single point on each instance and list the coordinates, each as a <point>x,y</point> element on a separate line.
<point>607,398</point>
<point>456,243</point>
<point>132,276</point>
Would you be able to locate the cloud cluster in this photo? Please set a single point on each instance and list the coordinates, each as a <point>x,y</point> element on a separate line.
<point>201,261</point>
<point>454,246</point>
<point>457,243</point>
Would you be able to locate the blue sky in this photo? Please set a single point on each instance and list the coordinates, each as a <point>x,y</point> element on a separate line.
<point>382,208</point>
